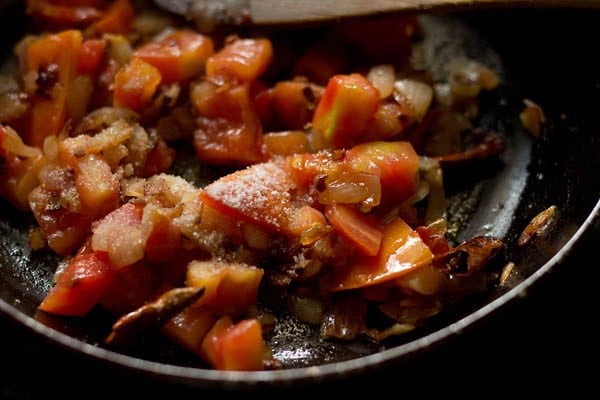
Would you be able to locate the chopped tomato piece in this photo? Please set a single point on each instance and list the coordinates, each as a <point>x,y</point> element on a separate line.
<point>80,286</point>
<point>98,188</point>
<point>164,240</point>
<point>65,13</point>
<point>92,55</point>
<point>402,251</point>
<point>234,346</point>
<point>135,84</point>
<point>348,104</point>
<point>294,103</point>
<point>396,164</point>
<point>286,143</point>
<point>119,234</point>
<point>178,56</point>
<point>49,65</point>
<point>132,286</point>
<point>229,288</point>
<point>189,327</point>
<point>159,159</point>
<point>117,18</point>
<point>241,60</point>
<point>259,194</point>
<point>361,230</point>
<point>229,131</point>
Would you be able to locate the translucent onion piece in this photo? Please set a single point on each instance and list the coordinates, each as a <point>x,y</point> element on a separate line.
<point>415,94</point>
<point>352,188</point>
<point>12,142</point>
<point>382,77</point>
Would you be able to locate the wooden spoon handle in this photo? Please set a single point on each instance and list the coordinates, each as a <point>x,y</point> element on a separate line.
<point>279,12</point>
<point>298,11</point>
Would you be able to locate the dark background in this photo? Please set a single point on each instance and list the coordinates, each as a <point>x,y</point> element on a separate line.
<point>544,343</point>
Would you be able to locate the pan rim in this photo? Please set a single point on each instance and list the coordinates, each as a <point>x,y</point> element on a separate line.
<point>236,379</point>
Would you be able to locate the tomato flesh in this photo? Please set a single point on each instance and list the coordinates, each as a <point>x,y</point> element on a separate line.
<point>402,250</point>
<point>233,346</point>
<point>80,286</point>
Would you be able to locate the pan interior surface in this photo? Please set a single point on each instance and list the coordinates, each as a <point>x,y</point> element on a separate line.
<point>497,198</point>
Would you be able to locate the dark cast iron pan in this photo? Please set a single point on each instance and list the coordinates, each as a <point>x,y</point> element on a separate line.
<point>541,55</point>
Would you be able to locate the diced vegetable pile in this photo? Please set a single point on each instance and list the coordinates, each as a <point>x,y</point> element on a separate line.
<point>331,205</point>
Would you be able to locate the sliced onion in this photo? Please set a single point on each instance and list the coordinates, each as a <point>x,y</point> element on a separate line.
<point>415,94</point>
<point>79,95</point>
<point>352,188</point>
<point>382,77</point>
<point>11,142</point>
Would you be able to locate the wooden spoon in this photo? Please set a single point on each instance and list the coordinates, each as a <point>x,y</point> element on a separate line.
<point>278,12</point>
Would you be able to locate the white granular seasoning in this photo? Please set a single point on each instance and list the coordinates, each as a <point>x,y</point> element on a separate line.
<point>260,192</point>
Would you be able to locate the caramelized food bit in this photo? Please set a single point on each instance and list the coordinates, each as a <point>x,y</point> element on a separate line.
<point>153,314</point>
<point>538,225</point>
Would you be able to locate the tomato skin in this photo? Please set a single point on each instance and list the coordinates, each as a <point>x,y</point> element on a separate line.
<point>359,229</point>
<point>81,285</point>
<point>233,346</point>
<point>401,251</point>
<point>343,113</point>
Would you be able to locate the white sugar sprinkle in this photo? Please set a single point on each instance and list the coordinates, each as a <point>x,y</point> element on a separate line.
<point>261,191</point>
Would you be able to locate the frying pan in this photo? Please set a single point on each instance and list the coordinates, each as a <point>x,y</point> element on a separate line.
<point>543,55</point>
